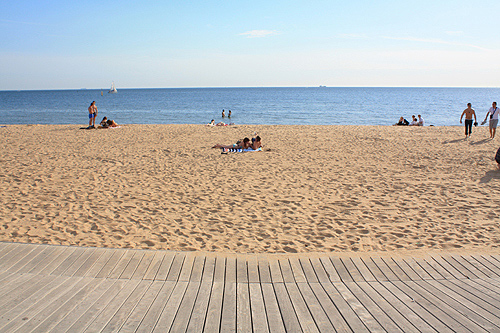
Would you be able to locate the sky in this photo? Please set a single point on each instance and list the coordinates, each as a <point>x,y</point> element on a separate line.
<point>168,44</point>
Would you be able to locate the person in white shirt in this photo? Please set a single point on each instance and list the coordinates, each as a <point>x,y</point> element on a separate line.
<point>493,112</point>
<point>414,121</point>
<point>420,121</point>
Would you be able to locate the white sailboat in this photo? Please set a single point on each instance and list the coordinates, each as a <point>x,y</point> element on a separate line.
<point>113,89</point>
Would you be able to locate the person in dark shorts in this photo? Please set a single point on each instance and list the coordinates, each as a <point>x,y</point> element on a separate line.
<point>469,113</point>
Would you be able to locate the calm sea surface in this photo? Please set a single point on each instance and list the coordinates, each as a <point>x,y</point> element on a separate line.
<point>284,106</point>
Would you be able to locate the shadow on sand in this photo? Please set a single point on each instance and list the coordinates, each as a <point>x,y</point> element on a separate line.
<point>489,176</point>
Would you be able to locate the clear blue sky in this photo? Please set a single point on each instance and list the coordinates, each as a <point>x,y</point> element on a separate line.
<point>88,44</point>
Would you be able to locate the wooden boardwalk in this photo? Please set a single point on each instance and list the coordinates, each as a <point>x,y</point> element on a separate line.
<point>46,288</point>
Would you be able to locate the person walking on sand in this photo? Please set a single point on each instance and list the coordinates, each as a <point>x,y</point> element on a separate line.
<point>92,114</point>
<point>469,112</point>
<point>493,112</point>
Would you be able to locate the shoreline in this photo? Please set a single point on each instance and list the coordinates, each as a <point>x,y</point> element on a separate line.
<point>320,189</point>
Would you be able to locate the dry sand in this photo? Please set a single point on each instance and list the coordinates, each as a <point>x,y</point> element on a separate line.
<point>316,189</point>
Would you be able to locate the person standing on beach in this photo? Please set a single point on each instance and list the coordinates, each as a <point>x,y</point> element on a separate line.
<point>469,112</point>
<point>493,112</point>
<point>92,114</point>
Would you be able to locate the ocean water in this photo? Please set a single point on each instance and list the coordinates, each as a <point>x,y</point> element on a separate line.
<point>270,106</point>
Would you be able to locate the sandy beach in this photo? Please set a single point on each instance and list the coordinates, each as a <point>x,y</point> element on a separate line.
<point>314,188</point>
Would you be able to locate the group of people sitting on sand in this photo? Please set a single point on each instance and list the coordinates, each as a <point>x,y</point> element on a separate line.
<point>107,123</point>
<point>244,144</point>
<point>220,123</point>
<point>403,122</point>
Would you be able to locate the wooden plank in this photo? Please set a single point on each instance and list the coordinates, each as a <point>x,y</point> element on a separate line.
<point>286,270</point>
<point>374,306</point>
<point>275,270</point>
<point>333,275</point>
<point>402,306</point>
<point>14,282</point>
<point>220,269</point>
<point>429,269</point>
<point>481,296</point>
<point>387,308</point>
<point>314,308</point>
<point>208,270</point>
<point>489,262</point>
<point>352,319</point>
<point>110,265</point>
<point>258,308</point>
<point>231,270</point>
<point>341,269</point>
<point>43,257</point>
<point>319,270</point>
<point>308,270</point>
<point>136,317</point>
<point>440,305</point>
<point>77,264</point>
<point>97,323</point>
<point>362,313</point>
<point>486,272</point>
<point>154,266</point>
<point>100,263</point>
<point>198,267</point>
<point>229,307</point>
<point>407,269</point>
<point>24,288</point>
<point>17,258</point>
<point>150,319</point>
<point>6,248</point>
<point>165,266</point>
<point>330,308</point>
<point>253,269</point>
<point>90,262</point>
<point>83,320</point>
<point>187,267</point>
<point>288,314</point>
<point>398,272</point>
<point>449,300</point>
<point>423,300</point>
<point>120,316</point>
<point>107,287</point>
<point>413,264</point>
<point>214,312</point>
<point>306,320</point>
<point>416,307</point>
<point>486,287</point>
<point>298,273</point>
<point>241,269</point>
<point>143,266</point>
<point>132,265</point>
<point>175,269</point>
<point>243,313</point>
<point>353,271</point>
<point>200,309</point>
<point>186,307</point>
<point>120,266</point>
<point>21,299</point>
<point>454,273</point>
<point>363,269</point>
<point>374,269</point>
<point>274,319</point>
<point>439,268</point>
<point>49,319</point>
<point>264,271</point>
<point>167,317</point>
<point>68,262</point>
<point>389,274</point>
<point>46,306</point>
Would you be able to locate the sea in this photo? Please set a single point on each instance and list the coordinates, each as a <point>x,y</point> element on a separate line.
<point>251,106</point>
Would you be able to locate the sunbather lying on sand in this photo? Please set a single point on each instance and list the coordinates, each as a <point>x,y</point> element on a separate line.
<point>240,144</point>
